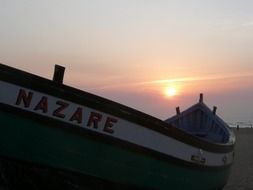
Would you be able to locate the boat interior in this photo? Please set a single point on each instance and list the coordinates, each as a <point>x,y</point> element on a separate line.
<point>202,122</point>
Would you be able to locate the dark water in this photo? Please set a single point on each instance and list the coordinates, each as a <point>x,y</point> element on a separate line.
<point>242,170</point>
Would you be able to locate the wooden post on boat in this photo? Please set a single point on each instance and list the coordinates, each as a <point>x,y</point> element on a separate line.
<point>201,98</point>
<point>214,110</point>
<point>179,120</point>
<point>178,110</point>
<point>58,74</point>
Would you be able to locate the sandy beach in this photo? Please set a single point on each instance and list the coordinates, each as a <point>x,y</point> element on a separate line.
<point>241,177</point>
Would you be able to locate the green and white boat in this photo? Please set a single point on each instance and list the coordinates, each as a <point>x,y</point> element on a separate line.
<point>53,135</point>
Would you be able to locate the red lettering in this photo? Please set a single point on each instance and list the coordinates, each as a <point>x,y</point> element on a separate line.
<point>42,105</point>
<point>94,119</point>
<point>77,116</point>
<point>59,110</point>
<point>109,124</point>
<point>22,96</point>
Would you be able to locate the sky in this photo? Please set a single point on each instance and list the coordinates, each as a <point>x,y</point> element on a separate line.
<point>131,51</point>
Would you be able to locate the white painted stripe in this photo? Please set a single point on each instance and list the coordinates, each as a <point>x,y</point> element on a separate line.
<point>123,129</point>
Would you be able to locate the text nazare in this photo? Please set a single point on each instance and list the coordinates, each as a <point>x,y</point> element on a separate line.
<point>61,111</point>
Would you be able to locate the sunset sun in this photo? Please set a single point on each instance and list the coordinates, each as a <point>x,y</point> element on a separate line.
<point>171,91</point>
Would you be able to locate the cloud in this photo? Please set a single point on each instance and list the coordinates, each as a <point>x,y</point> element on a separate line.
<point>207,78</point>
<point>248,24</point>
<point>173,80</point>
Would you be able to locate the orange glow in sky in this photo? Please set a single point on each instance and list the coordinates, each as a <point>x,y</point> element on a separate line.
<point>150,55</point>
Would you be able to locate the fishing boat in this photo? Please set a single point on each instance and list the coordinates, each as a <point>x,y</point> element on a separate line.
<point>56,136</point>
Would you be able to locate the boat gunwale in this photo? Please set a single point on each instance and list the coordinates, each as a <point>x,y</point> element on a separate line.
<point>110,140</point>
<point>40,84</point>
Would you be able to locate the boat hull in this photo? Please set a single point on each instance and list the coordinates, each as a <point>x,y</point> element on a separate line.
<point>47,144</point>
